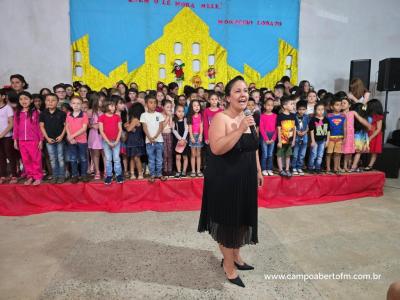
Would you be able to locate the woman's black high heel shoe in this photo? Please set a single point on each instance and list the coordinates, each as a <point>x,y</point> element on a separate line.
<point>244,267</point>
<point>237,281</point>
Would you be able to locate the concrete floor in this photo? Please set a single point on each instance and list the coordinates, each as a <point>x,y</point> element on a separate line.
<point>161,256</point>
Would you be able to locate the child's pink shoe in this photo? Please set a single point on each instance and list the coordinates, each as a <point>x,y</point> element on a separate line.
<point>2,180</point>
<point>28,181</point>
<point>13,180</point>
<point>37,182</point>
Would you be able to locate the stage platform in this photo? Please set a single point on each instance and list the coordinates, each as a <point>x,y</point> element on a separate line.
<point>180,194</point>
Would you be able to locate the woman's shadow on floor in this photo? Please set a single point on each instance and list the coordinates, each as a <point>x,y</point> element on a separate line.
<point>143,260</point>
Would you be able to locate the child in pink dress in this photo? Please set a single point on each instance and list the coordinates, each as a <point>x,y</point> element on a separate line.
<point>95,141</point>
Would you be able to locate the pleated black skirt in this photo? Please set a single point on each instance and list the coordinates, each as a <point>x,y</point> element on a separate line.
<point>229,205</point>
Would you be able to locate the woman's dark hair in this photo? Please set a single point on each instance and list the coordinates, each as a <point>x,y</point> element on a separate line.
<point>45,89</point>
<point>21,78</point>
<point>31,107</point>
<point>360,109</point>
<point>135,111</point>
<point>374,107</point>
<point>191,111</point>
<point>229,85</point>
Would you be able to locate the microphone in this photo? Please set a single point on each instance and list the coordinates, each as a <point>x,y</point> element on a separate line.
<point>253,129</point>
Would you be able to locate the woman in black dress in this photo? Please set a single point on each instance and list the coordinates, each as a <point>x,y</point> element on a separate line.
<point>229,205</point>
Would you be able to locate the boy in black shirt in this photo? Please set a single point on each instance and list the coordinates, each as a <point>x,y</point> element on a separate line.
<point>319,133</point>
<point>52,125</point>
<point>286,135</point>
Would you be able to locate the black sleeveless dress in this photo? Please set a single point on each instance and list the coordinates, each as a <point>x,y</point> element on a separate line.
<point>229,206</point>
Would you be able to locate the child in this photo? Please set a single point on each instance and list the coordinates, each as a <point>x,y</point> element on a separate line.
<point>167,136</point>
<point>7,151</point>
<point>76,126</point>
<point>122,111</point>
<point>52,125</point>
<point>286,124</point>
<point>209,113</point>
<point>152,122</point>
<point>337,125</point>
<point>160,98</point>
<point>28,138</point>
<point>300,147</point>
<point>95,141</point>
<point>252,106</point>
<point>361,139</point>
<point>375,110</point>
<point>110,127</point>
<point>60,91</point>
<point>135,146</point>
<point>196,137</point>
<point>319,134</point>
<point>255,94</point>
<point>311,101</point>
<point>348,142</point>
<point>268,134</point>
<point>181,130</point>
<point>38,101</point>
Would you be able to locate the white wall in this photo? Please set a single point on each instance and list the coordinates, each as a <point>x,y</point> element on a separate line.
<point>36,42</point>
<point>332,33</point>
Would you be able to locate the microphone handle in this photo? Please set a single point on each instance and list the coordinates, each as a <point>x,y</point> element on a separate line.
<point>253,130</point>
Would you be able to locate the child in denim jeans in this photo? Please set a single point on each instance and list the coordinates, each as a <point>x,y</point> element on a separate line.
<point>268,136</point>
<point>76,126</point>
<point>110,126</point>
<point>52,125</point>
<point>153,126</point>
<point>319,134</point>
<point>300,147</point>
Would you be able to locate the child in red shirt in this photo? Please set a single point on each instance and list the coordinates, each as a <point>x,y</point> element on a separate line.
<point>110,126</point>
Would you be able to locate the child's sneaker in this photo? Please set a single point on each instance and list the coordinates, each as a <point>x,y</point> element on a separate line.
<point>294,172</point>
<point>288,174</point>
<point>265,173</point>
<point>183,174</point>
<point>177,175</point>
<point>282,173</point>
<point>300,171</point>
<point>85,178</point>
<point>74,179</point>
<point>120,179</point>
<point>108,180</point>
<point>270,173</point>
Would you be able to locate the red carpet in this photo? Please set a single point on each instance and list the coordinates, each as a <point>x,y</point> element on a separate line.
<point>180,195</point>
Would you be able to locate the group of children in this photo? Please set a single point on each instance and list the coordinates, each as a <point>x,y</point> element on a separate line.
<point>73,128</point>
<point>340,128</point>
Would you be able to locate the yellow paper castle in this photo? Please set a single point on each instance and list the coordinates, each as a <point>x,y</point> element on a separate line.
<point>186,39</point>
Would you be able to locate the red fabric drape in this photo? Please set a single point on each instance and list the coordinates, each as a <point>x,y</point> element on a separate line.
<point>180,195</point>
